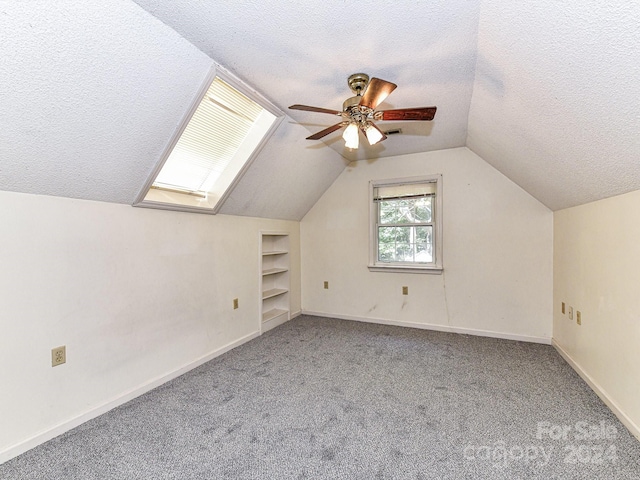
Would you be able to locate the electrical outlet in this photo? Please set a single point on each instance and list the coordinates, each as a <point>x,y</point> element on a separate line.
<point>578,318</point>
<point>563,308</point>
<point>326,285</point>
<point>235,303</point>
<point>58,356</point>
<point>405,290</point>
<point>570,313</point>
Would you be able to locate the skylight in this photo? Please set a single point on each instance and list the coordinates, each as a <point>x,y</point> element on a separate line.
<point>219,137</point>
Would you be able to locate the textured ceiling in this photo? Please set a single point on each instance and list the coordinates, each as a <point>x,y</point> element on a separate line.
<point>91,93</point>
<point>297,54</point>
<point>548,92</point>
<point>556,101</point>
<point>90,96</point>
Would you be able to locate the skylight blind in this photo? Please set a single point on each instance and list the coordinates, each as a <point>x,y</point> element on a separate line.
<point>409,190</point>
<point>211,139</point>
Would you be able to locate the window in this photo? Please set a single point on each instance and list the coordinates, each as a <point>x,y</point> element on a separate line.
<point>406,225</point>
<point>220,135</point>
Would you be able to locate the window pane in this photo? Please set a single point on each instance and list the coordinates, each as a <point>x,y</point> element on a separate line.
<point>412,210</point>
<point>388,212</point>
<point>405,244</point>
<point>422,209</point>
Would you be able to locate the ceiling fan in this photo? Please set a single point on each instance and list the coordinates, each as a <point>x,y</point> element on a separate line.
<point>359,112</point>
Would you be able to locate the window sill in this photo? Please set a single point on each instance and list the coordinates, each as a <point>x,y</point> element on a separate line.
<point>432,270</point>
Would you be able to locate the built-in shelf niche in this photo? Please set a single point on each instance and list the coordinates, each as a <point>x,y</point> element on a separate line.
<point>274,279</point>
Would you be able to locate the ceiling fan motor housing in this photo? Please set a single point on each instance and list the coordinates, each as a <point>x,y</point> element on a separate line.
<point>350,102</point>
<point>358,113</point>
<point>358,83</point>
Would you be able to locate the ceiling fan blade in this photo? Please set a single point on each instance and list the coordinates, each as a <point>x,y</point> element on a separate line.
<point>326,131</point>
<point>376,92</point>
<point>420,113</point>
<point>307,108</point>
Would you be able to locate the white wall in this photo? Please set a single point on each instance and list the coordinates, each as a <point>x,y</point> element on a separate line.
<point>134,294</point>
<point>497,276</point>
<point>597,271</point>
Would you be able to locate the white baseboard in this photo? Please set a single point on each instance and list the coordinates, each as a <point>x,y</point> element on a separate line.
<point>438,328</point>
<point>67,425</point>
<point>274,322</point>
<point>277,321</point>
<point>604,396</point>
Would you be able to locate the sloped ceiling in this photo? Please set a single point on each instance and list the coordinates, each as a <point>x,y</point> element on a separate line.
<point>91,93</point>
<point>547,91</point>
<point>298,53</point>
<point>556,101</point>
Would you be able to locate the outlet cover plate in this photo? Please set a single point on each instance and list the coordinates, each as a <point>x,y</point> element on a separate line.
<point>58,356</point>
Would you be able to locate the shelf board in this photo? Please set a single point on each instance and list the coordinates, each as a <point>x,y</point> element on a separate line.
<point>275,252</point>
<point>274,292</point>
<point>271,314</point>
<point>273,271</point>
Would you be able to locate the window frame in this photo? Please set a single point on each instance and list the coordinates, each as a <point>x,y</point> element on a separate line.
<point>226,76</point>
<point>434,267</point>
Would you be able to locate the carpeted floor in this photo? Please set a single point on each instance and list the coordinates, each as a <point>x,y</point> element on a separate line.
<point>323,398</point>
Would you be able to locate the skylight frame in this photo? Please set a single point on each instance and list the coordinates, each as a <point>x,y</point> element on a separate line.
<point>227,77</point>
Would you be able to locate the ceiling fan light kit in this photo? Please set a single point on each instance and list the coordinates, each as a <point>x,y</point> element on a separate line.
<point>359,111</point>
<point>350,136</point>
<point>373,134</point>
